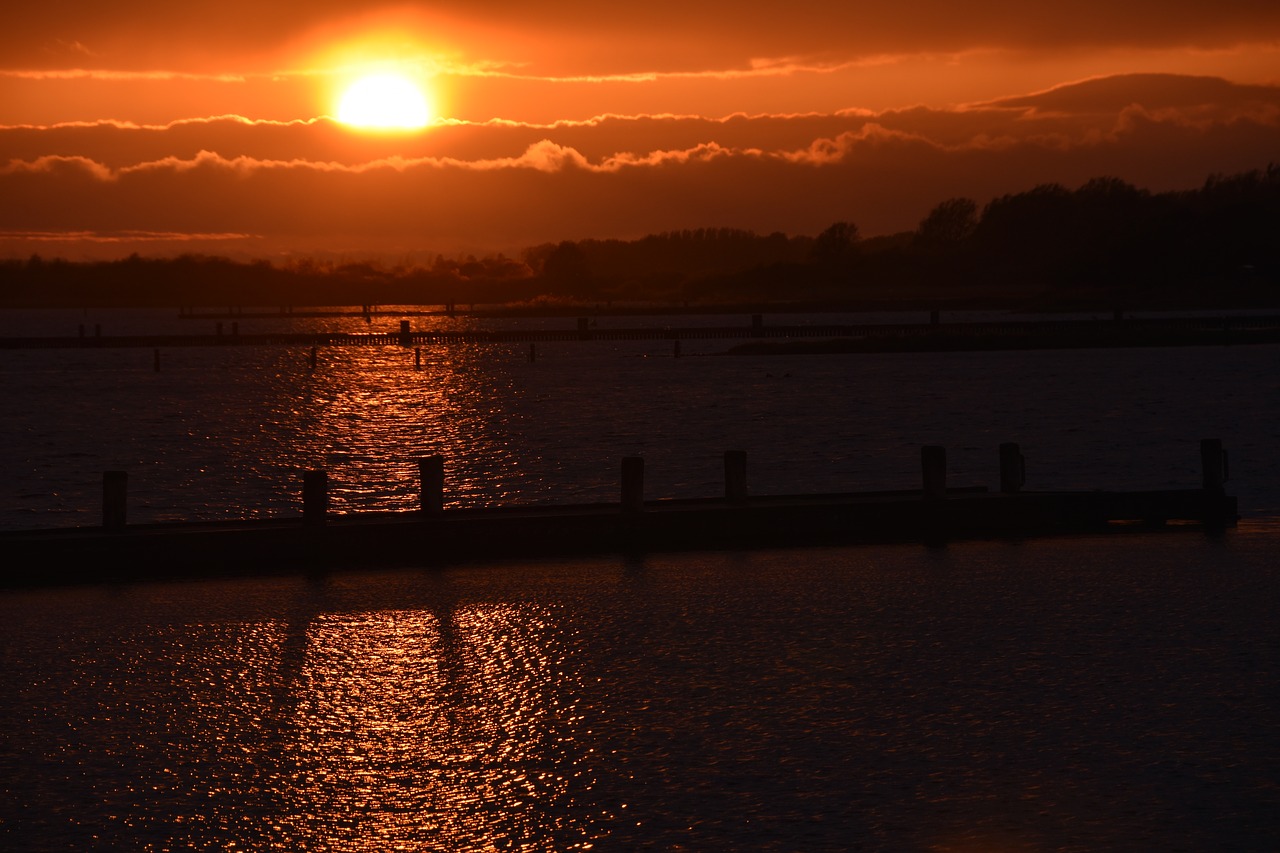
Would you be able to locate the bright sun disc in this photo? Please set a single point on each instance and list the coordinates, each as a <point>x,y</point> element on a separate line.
<point>384,101</point>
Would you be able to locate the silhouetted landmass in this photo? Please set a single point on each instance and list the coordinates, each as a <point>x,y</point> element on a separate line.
<point>1106,244</point>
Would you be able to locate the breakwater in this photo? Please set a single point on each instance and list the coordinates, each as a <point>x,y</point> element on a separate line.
<point>434,535</point>
<point>763,337</point>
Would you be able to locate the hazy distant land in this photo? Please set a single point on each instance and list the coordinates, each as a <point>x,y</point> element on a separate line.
<point>1106,245</point>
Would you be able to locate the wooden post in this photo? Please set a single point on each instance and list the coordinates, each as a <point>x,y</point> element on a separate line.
<point>431,484</point>
<point>735,476</point>
<point>1213,464</point>
<point>1013,468</point>
<point>933,462</point>
<point>115,490</point>
<point>405,338</point>
<point>417,358</point>
<point>633,484</point>
<point>311,360</point>
<point>315,498</point>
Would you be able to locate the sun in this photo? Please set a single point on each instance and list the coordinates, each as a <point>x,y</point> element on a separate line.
<point>384,102</point>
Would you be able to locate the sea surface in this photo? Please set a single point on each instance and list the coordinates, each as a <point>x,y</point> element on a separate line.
<point>227,432</point>
<point>1059,694</point>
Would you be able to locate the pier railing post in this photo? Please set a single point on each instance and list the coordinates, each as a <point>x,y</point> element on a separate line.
<point>1013,468</point>
<point>933,464</point>
<point>633,484</point>
<point>315,498</point>
<point>431,478</point>
<point>1219,510</point>
<point>115,491</point>
<point>1213,463</point>
<point>735,476</point>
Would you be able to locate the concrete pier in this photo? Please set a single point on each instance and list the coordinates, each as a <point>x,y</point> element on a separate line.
<point>434,535</point>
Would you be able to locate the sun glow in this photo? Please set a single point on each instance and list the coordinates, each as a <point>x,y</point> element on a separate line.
<point>384,102</point>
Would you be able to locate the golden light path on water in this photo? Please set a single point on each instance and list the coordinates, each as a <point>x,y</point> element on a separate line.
<point>416,729</point>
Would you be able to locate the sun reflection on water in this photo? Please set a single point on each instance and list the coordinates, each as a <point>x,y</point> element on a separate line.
<point>366,414</point>
<point>421,729</point>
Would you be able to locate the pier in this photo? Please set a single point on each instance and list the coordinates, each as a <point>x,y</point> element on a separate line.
<point>435,535</point>
<point>757,336</point>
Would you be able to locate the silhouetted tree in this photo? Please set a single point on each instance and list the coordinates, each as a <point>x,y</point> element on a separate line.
<point>836,245</point>
<point>951,222</point>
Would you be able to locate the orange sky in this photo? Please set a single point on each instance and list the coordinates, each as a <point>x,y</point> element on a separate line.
<point>163,128</point>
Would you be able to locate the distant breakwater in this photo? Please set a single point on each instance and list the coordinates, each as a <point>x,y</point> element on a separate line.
<point>759,337</point>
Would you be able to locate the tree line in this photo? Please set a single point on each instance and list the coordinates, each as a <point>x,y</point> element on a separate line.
<point>1105,243</point>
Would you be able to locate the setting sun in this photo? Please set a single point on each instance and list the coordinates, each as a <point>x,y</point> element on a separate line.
<point>384,101</point>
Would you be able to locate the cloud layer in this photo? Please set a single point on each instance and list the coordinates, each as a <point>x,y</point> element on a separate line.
<point>299,186</point>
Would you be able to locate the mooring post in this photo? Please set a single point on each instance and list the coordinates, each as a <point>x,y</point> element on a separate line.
<point>633,484</point>
<point>315,498</point>
<point>405,338</point>
<point>431,483</point>
<point>1213,464</point>
<point>735,476</point>
<point>933,463</point>
<point>115,491</point>
<point>1013,468</point>
<point>311,359</point>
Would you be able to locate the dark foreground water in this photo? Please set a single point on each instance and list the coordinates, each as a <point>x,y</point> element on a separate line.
<point>1059,694</point>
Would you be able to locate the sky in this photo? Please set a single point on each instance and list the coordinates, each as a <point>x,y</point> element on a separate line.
<point>220,128</point>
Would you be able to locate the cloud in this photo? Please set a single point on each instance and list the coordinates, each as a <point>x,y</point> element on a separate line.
<point>506,184</point>
<point>576,37</point>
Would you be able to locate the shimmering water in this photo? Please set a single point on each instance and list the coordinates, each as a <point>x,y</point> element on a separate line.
<point>224,432</point>
<point>1060,694</point>
<point>1067,694</point>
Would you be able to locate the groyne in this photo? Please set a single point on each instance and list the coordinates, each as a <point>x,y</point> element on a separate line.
<point>435,535</point>
<point>762,337</point>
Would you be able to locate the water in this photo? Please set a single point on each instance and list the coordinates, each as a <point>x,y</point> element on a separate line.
<point>1065,694</point>
<point>225,432</point>
<point>1075,693</point>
